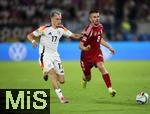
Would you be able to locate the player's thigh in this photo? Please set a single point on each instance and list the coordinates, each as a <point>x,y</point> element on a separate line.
<point>86,68</point>
<point>101,67</point>
<point>100,64</point>
<point>58,67</point>
<point>98,58</point>
<point>47,63</point>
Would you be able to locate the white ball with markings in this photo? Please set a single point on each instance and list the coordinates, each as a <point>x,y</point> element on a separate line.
<point>142,98</point>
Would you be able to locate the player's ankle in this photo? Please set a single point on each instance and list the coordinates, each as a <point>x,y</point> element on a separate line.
<point>59,93</point>
<point>110,89</point>
<point>63,100</point>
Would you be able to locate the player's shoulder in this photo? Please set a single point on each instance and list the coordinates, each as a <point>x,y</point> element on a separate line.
<point>87,29</point>
<point>62,27</point>
<point>88,26</point>
<point>43,27</point>
<point>101,25</point>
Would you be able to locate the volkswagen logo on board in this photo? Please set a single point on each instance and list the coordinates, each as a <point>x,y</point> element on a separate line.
<point>17,51</point>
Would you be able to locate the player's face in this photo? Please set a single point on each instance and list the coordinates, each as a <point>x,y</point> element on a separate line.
<point>95,18</point>
<point>56,20</point>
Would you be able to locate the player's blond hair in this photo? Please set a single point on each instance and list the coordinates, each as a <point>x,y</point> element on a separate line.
<point>55,12</point>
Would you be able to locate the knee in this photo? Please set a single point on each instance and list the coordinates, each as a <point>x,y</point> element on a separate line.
<point>61,81</point>
<point>103,70</point>
<point>101,67</point>
<point>87,78</point>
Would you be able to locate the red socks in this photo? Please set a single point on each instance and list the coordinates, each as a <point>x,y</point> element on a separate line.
<point>107,80</point>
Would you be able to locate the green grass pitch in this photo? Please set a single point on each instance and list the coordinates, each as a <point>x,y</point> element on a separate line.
<point>128,78</point>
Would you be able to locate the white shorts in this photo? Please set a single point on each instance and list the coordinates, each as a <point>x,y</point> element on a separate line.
<point>49,62</point>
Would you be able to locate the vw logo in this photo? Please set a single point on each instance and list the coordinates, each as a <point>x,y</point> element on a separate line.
<point>17,51</point>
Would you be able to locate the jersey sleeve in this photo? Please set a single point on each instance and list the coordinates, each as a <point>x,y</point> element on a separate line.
<point>86,33</point>
<point>102,31</point>
<point>85,36</point>
<point>84,39</point>
<point>38,32</point>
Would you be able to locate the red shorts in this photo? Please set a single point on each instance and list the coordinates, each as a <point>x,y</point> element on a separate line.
<point>88,62</point>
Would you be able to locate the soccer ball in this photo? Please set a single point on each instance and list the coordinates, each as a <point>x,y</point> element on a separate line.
<point>142,98</point>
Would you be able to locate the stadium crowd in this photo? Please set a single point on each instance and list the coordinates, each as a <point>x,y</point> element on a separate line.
<point>121,18</point>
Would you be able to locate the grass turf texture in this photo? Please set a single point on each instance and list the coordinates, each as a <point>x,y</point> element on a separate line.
<point>128,78</point>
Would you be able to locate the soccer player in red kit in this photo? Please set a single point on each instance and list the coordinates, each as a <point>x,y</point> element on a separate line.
<point>91,54</point>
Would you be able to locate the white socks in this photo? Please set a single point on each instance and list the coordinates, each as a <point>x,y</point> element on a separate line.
<point>59,93</point>
<point>110,89</point>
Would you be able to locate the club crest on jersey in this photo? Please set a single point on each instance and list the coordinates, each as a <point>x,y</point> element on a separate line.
<point>99,33</point>
<point>95,33</point>
<point>58,32</point>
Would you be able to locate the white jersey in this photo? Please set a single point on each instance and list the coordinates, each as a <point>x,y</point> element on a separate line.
<point>49,38</point>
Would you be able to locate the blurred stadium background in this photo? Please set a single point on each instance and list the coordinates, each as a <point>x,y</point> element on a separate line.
<point>123,20</point>
<point>127,28</point>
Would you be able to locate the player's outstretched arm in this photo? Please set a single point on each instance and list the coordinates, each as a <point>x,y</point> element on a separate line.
<point>104,43</point>
<point>32,40</point>
<point>84,48</point>
<point>76,36</point>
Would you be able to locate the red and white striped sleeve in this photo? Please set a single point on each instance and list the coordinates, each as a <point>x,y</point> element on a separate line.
<point>86,33</point>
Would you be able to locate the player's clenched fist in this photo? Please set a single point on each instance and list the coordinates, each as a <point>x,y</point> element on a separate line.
<point>34,43</point>
<point>112,50</point>
<point>87,48</point>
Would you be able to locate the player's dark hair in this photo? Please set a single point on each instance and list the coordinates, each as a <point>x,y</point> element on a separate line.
<point>93,11</point>
<point>54,12</point>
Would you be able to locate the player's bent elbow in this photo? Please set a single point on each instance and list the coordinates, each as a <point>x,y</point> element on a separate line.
<point>29,36</point>
<point>81,47</point>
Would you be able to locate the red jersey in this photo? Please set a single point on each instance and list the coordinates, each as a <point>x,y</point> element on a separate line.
<point>92,36</point>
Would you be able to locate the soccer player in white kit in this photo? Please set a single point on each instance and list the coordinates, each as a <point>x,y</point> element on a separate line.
<point>48,56</point>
